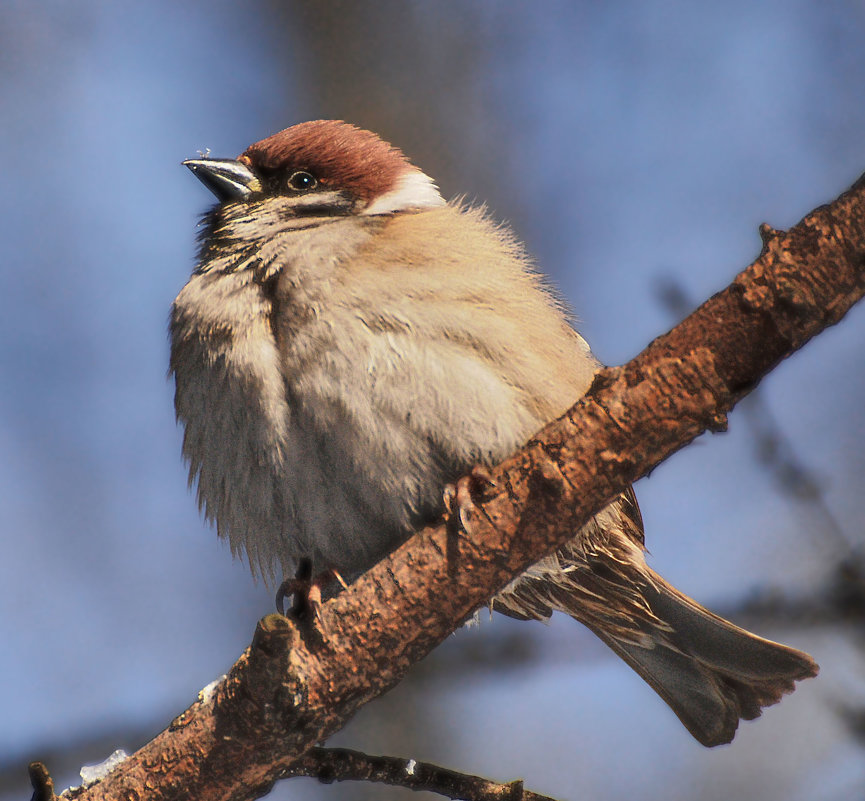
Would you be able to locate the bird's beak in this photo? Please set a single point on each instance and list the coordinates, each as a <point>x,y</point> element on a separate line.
<point>226,178</point>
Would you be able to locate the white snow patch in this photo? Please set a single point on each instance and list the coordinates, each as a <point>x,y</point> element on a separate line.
<point>90,774</point>
<point>205,694</point>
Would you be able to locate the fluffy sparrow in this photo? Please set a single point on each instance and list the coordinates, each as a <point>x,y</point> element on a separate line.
<point>349,344</point>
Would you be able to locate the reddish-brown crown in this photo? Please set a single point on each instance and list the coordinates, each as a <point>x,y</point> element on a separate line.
<point>337,153</point>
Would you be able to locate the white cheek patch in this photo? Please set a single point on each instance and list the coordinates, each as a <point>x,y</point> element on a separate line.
<point>415,190</point>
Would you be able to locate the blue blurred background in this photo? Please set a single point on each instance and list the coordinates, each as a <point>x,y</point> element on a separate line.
<point>635,147</point>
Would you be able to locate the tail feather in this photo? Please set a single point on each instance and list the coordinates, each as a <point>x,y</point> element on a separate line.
<point>727,647</point>
<point>697,699</point>
<point>709,671</point>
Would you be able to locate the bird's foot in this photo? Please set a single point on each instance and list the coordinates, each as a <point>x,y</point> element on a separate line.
<point>305,592</point>
<point>459,497</point>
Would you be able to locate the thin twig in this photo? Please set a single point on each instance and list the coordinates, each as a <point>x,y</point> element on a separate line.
<point>341,764</point>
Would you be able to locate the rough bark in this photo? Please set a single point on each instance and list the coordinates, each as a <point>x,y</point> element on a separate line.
<point>292,689</point>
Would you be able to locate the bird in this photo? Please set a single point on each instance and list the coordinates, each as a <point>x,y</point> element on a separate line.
<point>349,344</point>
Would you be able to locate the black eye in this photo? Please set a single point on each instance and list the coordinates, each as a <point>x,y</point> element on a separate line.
<point>302,181</point>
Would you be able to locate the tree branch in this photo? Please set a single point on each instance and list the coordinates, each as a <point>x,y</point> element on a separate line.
<point>292,689</point>
<point>341,764</point>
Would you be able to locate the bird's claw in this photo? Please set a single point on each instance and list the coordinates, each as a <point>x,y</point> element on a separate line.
<point>459,496</point>
<point>306,594</point>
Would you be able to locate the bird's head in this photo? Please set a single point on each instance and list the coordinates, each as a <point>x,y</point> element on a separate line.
<point>320,168</point>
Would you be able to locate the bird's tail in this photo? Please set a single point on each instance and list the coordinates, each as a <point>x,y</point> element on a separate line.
<point>710,672</point>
